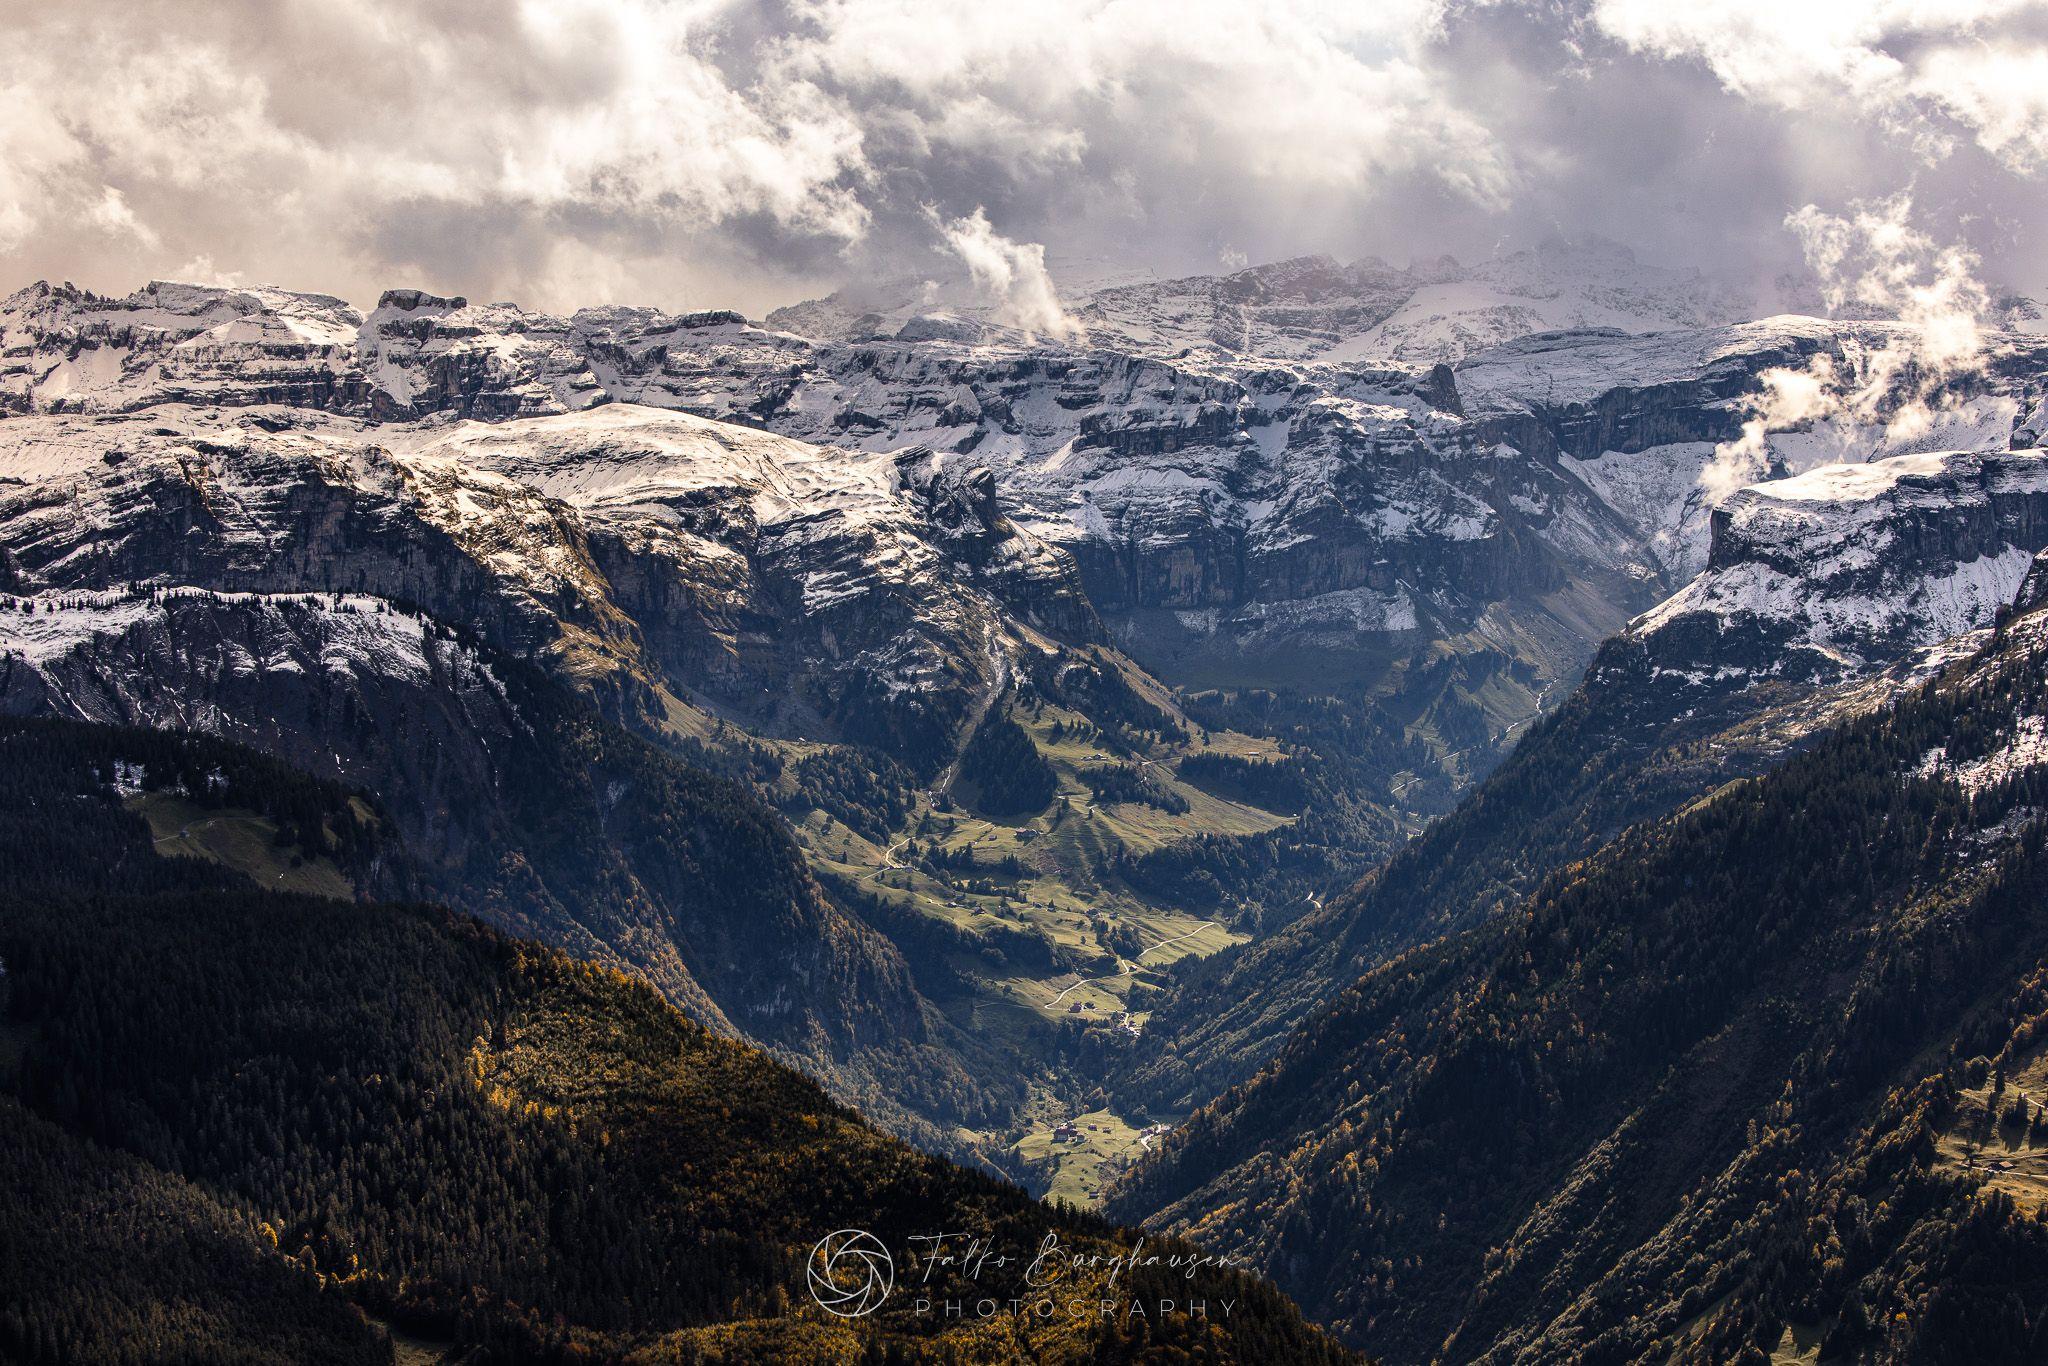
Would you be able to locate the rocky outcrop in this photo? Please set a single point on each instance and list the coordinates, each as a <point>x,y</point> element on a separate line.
<point>1588,394</point>
<point>232,505</point>
<point>63,349</point>
<point>429,355</point>
<point>1848,569</point>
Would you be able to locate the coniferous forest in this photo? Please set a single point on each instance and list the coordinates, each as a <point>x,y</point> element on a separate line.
<point>1763,1076</point>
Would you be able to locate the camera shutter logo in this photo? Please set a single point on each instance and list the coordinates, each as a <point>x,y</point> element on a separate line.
<point>850,1273</point>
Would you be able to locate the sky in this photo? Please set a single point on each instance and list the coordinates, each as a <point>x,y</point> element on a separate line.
<point>749,153</point>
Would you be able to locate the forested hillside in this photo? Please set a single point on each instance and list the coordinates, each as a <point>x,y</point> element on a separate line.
<point>1616,752</point>
<point>526,806</point>
<point>248,1126</point>
<point>1764,1074</point>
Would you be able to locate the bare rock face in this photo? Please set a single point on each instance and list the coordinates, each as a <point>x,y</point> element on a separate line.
<point>427,355</point>
<point>2030,423</point>
<point>1206,507</point>
<point>1823,595</point>
<point>195,500</point>
<point>64,349</point>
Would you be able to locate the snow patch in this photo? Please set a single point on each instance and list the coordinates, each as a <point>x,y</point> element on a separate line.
<point>2022,750</point>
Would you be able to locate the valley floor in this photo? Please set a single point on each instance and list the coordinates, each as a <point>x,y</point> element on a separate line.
<point>1049,875</point>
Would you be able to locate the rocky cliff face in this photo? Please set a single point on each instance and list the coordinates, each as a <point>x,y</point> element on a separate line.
<point>695,520</point>
<point>638,552</point>
<point>884,521</point>
<point>1825,596</point>
<point>64,349</point>
<point>1278,509</point>
<point>1262,522</point>
<point>1848,568</point>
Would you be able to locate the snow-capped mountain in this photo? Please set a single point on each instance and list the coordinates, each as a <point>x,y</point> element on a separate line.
<point>2025,312</point>
<point>1227,515</point>
<point>1830,573</point>
<point>61,347</point>
<point>1312,308</point>
<point>646,555</point>
<point>1554,288</point>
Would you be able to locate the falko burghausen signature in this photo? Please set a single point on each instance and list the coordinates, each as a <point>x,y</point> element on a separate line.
<point>851,1274</point>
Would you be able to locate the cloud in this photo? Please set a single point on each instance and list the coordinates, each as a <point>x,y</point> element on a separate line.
<point>746,152</point>
<point>112,214</point>
<point>1875,259</point>
<point>1870,262</point>
<point>699,131</point>
<point>1013,274</point>
<point>202,270</point>
<point>2002,95</point>
<point>40,160</point>
<point>1928,69</point>
<point>1286,93</point>
<point>572,117</point>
